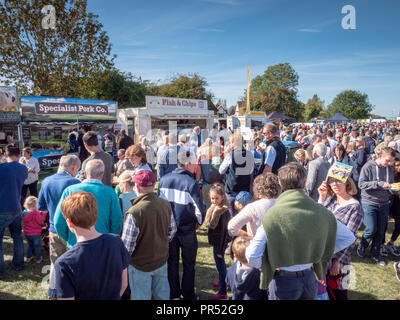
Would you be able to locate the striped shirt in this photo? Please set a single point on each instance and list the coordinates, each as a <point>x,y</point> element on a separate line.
<point>351,215</point>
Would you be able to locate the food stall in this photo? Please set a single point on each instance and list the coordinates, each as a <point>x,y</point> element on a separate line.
<point>251,120</point>
<point>10,131</point>
<point>159,112</point>
<point>47,122</point>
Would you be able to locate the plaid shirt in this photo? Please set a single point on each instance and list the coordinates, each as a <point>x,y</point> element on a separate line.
<point>350,215</point>
<point>131,231</point>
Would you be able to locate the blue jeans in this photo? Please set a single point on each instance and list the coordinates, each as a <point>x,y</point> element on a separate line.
<point>375,219</point>
<point>188,244</point>
<point>12,220</point>
<point>221,268</point>
<point>293,286</point>
<point>34,244</point>
<point>144,285</point>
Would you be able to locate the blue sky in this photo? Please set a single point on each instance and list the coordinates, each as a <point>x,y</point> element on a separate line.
<point>217,39</point>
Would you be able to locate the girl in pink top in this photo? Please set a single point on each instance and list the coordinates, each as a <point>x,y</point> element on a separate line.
<point>33,220</point>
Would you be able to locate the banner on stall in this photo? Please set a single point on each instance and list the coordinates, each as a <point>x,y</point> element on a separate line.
<point>9,112</point>
<point>166,102</point>
<point>48,109</point>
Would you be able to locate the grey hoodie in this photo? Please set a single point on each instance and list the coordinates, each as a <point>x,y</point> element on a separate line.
<point>372,191</point>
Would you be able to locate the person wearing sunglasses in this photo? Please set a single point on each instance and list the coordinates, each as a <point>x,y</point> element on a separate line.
<point>337,196</point>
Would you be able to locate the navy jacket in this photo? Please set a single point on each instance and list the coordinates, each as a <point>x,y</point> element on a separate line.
<point>370,144</point>
<point>248,288</point>
<point>183,193</point>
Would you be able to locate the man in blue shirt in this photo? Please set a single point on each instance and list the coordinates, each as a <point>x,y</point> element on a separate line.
<point>12,177</point>
<point>109,216</point>
<point>50,194</point>
<point>167,160</point>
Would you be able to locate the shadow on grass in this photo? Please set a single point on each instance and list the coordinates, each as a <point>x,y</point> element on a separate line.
<point>31,271</point>
<point>9,296</point>
<point>355,295</point>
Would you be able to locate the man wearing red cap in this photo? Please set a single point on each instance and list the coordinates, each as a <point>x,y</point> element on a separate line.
<point>148,228</point>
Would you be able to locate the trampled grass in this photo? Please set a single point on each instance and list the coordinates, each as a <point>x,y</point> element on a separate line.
<point>372,282</point>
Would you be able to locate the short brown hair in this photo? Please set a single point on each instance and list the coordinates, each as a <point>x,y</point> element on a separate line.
<point>80,208</point>
<point>90,138</point>
<point>28,150</point>
<point>292,176</point>
<point>388,152</point>
<point>266,185</point>
<point>138,151</point>
<point>239,246</point>
<point>271,128</point>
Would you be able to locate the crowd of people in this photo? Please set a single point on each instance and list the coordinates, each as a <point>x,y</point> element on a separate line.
<point>121,215</point>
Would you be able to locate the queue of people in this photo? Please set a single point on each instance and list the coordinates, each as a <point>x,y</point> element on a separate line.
<point>265,214</point>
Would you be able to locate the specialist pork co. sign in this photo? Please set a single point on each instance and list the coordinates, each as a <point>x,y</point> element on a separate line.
<point>67,109</point>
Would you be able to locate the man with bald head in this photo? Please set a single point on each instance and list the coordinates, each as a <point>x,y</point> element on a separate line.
<point>50,194</point>
<point>109,216</point>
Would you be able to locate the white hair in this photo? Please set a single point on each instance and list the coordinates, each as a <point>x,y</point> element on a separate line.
<point>185,157</point>
<point>94,169</point>
<point>320,149</point>
<point>68,162</point>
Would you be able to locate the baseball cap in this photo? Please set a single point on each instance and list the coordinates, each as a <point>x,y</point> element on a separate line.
<point>144,178</point>
<point>244,198</point>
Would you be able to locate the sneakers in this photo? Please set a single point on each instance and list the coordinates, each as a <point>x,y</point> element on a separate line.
<point>396,266</point>
<point>393,249</point>
<point>216,284</point>
<point>361,251</point>
<point>383,251</point>
<point>40,260</point>
<point>219,296</point>
<point>28,259</point>
<point>379,261</point>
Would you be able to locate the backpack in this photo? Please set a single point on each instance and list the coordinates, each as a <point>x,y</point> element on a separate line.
<point>209,174</point>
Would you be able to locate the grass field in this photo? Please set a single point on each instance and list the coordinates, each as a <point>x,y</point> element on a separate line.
<point>372,282</point>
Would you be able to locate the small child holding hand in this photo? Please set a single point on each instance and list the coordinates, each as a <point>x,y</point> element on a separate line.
<point>33,220</point>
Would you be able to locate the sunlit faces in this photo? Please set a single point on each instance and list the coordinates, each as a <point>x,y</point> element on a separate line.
<point>215,198</point>
<point>337,186</point>
<point>385,160</point>
<point>135,160</point>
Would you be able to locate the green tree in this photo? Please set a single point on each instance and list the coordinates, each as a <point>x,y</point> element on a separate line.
<point>280,75</point>
<point>61,61</point>
<point>276,90</point>
<point>352,104</point>
<point>282,100</point>
<point>313,108</point>
<point>122,87</point>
